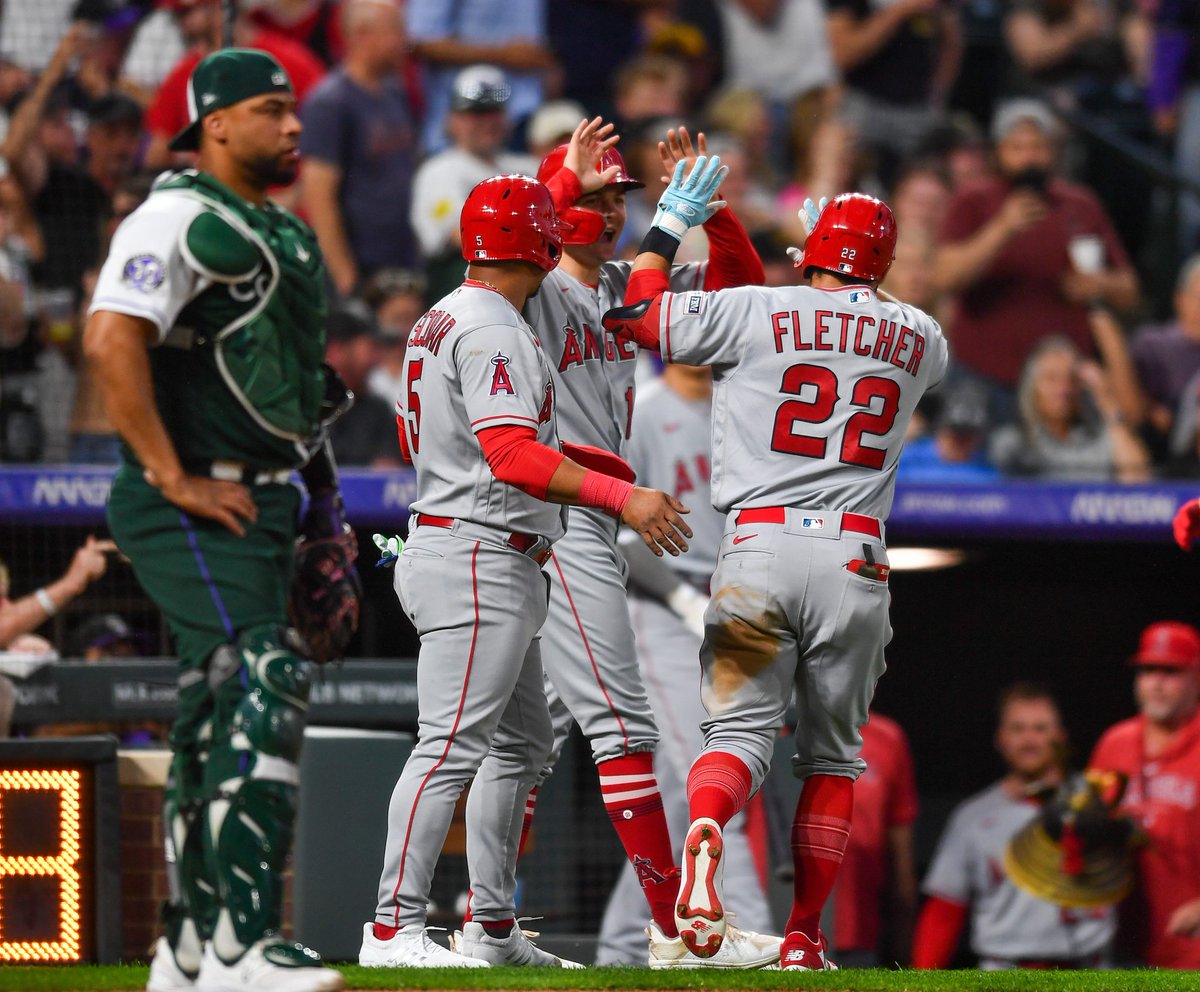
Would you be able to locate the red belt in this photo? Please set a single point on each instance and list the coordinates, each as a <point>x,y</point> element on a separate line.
<point>524,543</point>
<point>778,514</point>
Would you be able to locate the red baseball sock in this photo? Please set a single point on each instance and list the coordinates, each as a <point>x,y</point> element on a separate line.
<point>530,806</point>
<point>820,832</point>
<point>635,807</point>
<point>718,786</point>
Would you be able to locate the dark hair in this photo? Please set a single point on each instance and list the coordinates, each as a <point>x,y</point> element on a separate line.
<point>1025,691</point>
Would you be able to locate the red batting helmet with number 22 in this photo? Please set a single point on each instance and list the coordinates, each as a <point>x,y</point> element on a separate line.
<point>854,236</point>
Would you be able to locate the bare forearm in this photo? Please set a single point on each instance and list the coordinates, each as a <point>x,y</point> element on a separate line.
<point>853,42</point>
<point>320,197</point>
<point>957,266</point>
<point>1038,46</point>
<point>1122,374</point>
<point>25,615</point>
<point>1130,459</point>
<point>115,345</point>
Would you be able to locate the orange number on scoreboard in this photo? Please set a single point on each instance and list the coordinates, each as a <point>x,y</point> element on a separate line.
<point>63,864</point>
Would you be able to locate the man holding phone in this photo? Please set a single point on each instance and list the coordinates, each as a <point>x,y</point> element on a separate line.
<point>1026,254</point>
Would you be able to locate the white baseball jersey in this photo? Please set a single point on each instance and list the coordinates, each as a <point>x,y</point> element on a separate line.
<point>813,390</point>
<point>472,363</point>
<point>1007,923</point>
<point>593,369</point>
<point>669,450</point>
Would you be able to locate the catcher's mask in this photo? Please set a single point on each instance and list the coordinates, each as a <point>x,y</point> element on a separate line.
<point>1078,851</point>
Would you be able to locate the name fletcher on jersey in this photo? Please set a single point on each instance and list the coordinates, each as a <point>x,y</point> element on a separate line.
<point>886,340</point>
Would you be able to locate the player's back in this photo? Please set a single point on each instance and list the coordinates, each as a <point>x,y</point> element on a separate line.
<point>814,390</point>
<point>471,363</point>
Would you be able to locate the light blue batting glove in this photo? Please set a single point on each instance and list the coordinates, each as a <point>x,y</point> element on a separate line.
<point>810,212</point>
<point>389,549</point>
<point>689,200</point>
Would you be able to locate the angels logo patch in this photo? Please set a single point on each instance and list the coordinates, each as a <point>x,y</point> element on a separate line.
<point>501,382</point>
<point>144,272</point>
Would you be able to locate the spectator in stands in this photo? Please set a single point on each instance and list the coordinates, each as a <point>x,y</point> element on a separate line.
<point>1174,99</point>
<point>551,125</point>
<point>360,145</point>
<point>315,24</point>
<point>1071,421</point>
<point>1159,751</point>
<point>899,61</point>
<point>780,49</point>
<point>745,117</point>
<point>1006,252</point>
<point>446,37</point>
<point>107,635</point>
<point>200,20</point>
<point>919,199</point>
<point>910,277</point>
<point>876,896</point>
<point>959,149</point>
<point>366,434</point>
<point>397,298</point>
<point>823,162</point>
<point>1009,927</point>
<point>1167,356</point>
<point>20,246</point>
<point>157,43</point>
<point>478,125</point>
<point>591,36</point>
<point>650,87</point>
<point>30,30</point>
<point>19,618</point>
<point>956,451</point>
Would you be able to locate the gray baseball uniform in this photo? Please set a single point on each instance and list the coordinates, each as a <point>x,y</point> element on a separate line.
<point>476,600</point>
<point>587,642</point>
<point>669,450</point>
<point>1007,923</point>
<point>813,392</point>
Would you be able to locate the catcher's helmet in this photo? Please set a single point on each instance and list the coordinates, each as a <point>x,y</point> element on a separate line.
<point>587,224</point>
<point>511,217</point>
<point>854,236</point>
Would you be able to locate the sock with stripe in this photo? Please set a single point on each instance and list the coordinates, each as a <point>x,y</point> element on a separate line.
<point>526,824</point>
<point>820,832</point>
<point>718,786</point>
<point>634,804</point>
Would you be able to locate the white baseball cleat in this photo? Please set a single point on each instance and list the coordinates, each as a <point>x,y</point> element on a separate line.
<point>410,948</point>
<point>166,975</point>
<point>515,949</point>
<point>800,953</point>
<point>699,914</point>
<point>269,965</point>
<point>739,949</point>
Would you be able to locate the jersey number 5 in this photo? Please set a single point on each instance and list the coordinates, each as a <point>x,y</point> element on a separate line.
<point>820,408</point>
<point>412,414</point>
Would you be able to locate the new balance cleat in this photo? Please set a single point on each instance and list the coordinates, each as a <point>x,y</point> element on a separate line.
<point>699,914</point>
<point>799,953</point>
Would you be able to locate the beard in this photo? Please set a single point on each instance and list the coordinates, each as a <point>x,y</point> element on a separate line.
<point>273,171</point>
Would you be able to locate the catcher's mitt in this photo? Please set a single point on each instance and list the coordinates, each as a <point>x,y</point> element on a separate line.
<point>324,598</point>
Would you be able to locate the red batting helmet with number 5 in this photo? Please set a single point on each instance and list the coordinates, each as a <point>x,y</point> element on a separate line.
<point>511,217</point>
<point>855,236</point>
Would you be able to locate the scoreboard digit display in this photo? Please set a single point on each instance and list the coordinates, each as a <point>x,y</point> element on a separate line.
<point>59,851</point>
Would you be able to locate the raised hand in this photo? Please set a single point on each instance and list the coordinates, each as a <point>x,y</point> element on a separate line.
<point>590,140</point>
<point>689,199</point>
<point>677,148</point>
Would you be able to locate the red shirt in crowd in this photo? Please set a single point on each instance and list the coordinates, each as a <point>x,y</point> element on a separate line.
<point>167,114</point>
<point>885,796</point>
<point>1019,299</point>
<point>1164,795</point>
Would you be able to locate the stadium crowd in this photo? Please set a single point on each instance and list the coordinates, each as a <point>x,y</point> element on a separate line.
<point>1022,233</point>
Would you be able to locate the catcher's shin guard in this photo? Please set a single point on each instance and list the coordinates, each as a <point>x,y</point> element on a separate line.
<point>261,696</point>
<point>190,911</point>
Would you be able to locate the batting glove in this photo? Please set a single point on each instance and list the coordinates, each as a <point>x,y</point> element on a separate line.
<point>808,215</point>
<point>688,201</point>
<point>389,549</point>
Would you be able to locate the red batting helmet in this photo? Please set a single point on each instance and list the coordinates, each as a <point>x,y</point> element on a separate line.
<point>854,236</point>
<point>588,224</point>
<point>511,217</point>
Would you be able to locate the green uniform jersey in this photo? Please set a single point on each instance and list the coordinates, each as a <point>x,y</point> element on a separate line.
<point>237,294</point>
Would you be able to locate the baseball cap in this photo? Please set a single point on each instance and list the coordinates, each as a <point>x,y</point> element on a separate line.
<point>351,320</point>
<point>1009,115</point>
<point>965,408</point>
<point>104,630</point>
<point>1169,644</point>
<point>222,79</point>
<point>553,123</point>
<point>481,88</point>
<point>115,108</point>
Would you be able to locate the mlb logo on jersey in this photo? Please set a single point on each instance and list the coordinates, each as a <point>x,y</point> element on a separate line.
<point>860,296</point>
<point>695,302</point>
<point>812,523</point>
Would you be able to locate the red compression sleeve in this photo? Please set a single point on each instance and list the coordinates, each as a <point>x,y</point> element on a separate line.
<point>604,462</point>
<point>732,260</point>
<point>565,188</point>
<point>516,457</point>
<point>405,454</point>
<point>938,928</point>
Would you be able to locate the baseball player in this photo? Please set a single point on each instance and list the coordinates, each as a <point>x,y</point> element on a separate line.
<point>479,423</point>
<point>206,331</point>
<point>670,449</point>
<point>1010,928</point>
<point>588,645</point>
<point>814,388</point>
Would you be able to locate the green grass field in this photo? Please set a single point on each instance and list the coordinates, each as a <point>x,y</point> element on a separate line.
<point>130,978</point>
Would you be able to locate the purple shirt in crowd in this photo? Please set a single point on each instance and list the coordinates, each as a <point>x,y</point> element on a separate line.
<point>371,137</point>
<point>1166,360</point>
